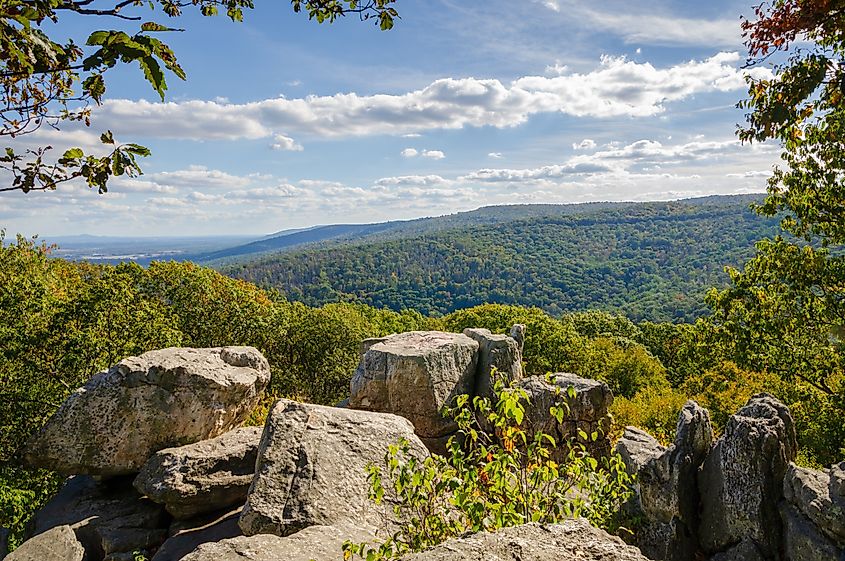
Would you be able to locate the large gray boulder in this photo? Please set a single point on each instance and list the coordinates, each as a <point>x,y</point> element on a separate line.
<point>56,544</point>
<point>315,543</point>
<point>186,535</point>
<point>203,477</point>
<point>108,517</point>
<point>161,399</point>
<point>741,481</point>
<point>415,375</point>
<point>666,491</point>
<point>573,539</point>
<point>819,497</point>
<point>311,467</point>
<point>802,540</point>
<point>499,352</point>
<point>589,409</point>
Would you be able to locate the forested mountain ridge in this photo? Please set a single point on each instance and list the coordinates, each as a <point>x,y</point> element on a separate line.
<point>649,261</point>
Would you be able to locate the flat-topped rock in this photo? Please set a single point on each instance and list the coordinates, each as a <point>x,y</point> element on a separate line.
<point>416,374</point>
<point>817,495</point>
<point>496,352</point>
<point>311,468</point>
<point>161,399</point>
<point>203,477</point>
<point>572,539</point>
<point>56,544</point>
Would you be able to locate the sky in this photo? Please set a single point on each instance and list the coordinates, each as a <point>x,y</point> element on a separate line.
<point>283,123</point>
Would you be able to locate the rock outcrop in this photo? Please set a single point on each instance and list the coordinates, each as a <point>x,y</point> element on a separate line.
<point>186,535</point>
<point>56,544</point>
<point>499,352</point>
<point>573,539</point>
<point>741,481</point>
<point>415,375</point>
<point>109,518</point>
<point>666,492</point>
<point>206,476</point>
<point>588,409</point>
<point>161,399</point>
<point>813,512</point>
<point>315,543</point>
<point>311,468</point>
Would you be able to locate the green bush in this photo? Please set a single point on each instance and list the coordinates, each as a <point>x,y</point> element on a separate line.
<point>627,367</point>
<point>491,481</point>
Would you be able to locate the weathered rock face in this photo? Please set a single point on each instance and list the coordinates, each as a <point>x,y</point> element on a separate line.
<point>573,539</point>
<point>588,409</point>
<point>311,467</point>
<point>186,536</point>
<point>415,375</point>
<point>741,481</point>
<point>315,543</point>
<point>109,518</point>
<point>814,512</point>
<point>495,351</point>
<point>161,399</point>
<point>203,477</point>
<point>666,488</point>
<point>56,544</point>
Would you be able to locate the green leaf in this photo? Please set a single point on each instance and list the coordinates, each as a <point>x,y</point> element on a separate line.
<point>107,138</point>
<point>73,153</point>
<point>153,26</point>
<point>153,74</point>
<point>98,38</point>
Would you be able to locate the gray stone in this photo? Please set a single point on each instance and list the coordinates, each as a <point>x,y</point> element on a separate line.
<point>499,352</point>
<point>816,495</point>
<point>741,481</point>
<point>206,476</point>
<point>573,539</point>
<point>186,536</point>
<point>415,375</point>
<point>56,544</point>
<point>311,467</point>
<point>108,517</point>
<point>165,398</point>
<point>589,410</point>
<point>802,540</point>
<point>517,333</point>
<point>666,491</point>
<point>315,543</point>
<point>746,550</point>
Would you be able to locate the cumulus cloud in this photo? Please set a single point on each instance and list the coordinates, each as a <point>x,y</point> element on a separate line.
<point>433,154</point>
<point>586,144</point>
<point>495,155</point>
<point>282,142</point>
<point>409,153</point>
<point>617,87</point>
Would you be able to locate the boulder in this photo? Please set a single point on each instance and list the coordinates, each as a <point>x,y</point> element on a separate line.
<point>187,535</point>
<point>495,351</point>
<point>573,539</point>
<point>311,467</point>
<point>56,544</point>
<point>108,517</point>
<point>817,495</point>
<point>589,409</point>
<point>161,399</point>
<point>518,334</point>
<point>666,493</point>
<point>206,476</point>
<point>741,480</point>
<point>415,375</point>
<point>802,540</point>
<point>746,550</point>
<point>315,543</point>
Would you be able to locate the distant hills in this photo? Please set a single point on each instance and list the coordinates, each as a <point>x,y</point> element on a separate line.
<point>647,260</point>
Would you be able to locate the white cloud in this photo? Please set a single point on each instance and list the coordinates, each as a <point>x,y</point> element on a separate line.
<point>495,155</point>
<point>282,142</point>
<point>433,154</point>
<point>586,144</point>
<point>616,88</point>
<point>409,153</point>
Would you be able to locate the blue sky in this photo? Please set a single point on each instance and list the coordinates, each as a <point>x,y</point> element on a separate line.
<point>283,123</point>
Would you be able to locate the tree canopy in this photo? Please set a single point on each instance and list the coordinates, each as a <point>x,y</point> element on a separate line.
<point>46,82</point>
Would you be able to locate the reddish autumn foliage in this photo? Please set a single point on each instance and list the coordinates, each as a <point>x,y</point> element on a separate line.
<point>779,24</point>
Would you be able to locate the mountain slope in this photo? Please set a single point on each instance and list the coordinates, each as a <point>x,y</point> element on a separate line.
<point>647,260</point>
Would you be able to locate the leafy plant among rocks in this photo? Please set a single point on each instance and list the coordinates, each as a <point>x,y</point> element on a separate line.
<point>505,476</point>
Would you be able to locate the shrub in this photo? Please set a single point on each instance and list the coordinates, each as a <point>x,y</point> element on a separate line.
<point>656,412</point>
<point>490,481</point>
<point>627,367</point>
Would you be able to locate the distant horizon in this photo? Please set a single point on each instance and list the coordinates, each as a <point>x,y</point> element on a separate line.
<point>314,226</point>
